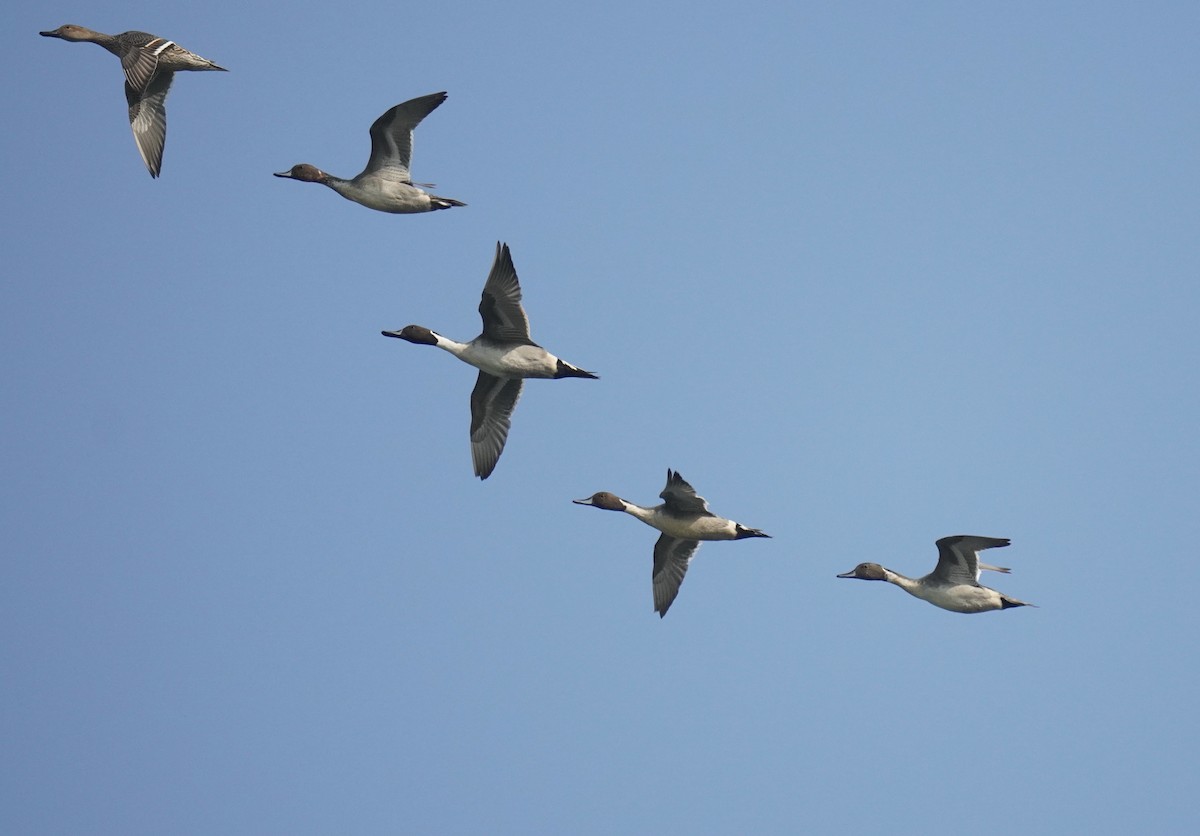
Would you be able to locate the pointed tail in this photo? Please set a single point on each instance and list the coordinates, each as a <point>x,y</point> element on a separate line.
<point>436,202</point>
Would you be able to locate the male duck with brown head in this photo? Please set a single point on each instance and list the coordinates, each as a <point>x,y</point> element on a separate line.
<point>684,520</point>
<point>386,184</point>
<point>505,357</point>
<point>954,583</point>
<point>150,64</point>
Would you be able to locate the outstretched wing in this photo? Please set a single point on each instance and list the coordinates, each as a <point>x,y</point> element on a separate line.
<point>492,403</point>
<point>148,118</point>
<point>671,558</point>
<point>140,64</point>
<point>958,557</point>
<point>500,308</point>
<point>680,497</point>
<point>392,136</point>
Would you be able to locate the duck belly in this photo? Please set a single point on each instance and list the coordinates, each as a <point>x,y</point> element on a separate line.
<point>514,361</point>
<point>696,528</point>
<point>964,599</point>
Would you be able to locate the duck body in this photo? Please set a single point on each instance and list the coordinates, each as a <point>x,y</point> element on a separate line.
<point>964,598</point>
<point>385,185</point>
<point>686,526</point>
<point>374,191</point>
<point>954,583</point>
<point>685,521</point>
<point>505,356</point>
<point>150,64</point>
<point>505,360</point>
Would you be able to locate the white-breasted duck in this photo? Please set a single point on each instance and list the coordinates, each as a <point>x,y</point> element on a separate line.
<point>150,64</point>
<point>505,356</point>
<point>386,184</point>
<point>954,583</point>
<point>684,520</point>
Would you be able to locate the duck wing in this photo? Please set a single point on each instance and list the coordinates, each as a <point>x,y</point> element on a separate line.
<point>958,557</point>
<point>392,136</point>
<point>504,318</point>
<point>671,558</point>
<point>681,498</point>
<point>148,118</point>
<point>139,63</point>
<point>492,403</point>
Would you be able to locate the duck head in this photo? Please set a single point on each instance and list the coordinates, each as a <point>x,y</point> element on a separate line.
<point>413,334</point>
<point>303,171</point>
<point>603,499</point>
<point>70,32</point>
<point>865,572</point>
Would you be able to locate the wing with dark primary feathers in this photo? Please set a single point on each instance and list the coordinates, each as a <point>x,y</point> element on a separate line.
<point>148,118</point>
<point>671,558</point>
<point>681,498</point>
<point>392,136</point>
<point>500,308</point>
<point>958,558</point>
<point>492,403</point>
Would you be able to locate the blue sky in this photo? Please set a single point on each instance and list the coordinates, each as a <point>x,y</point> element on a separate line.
<point>866,275</point>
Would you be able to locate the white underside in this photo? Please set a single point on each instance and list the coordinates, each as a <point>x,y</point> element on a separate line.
<point>960,598</point>
<point>383,195</point>
<point>696,528</point>
<point>516,361</point>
